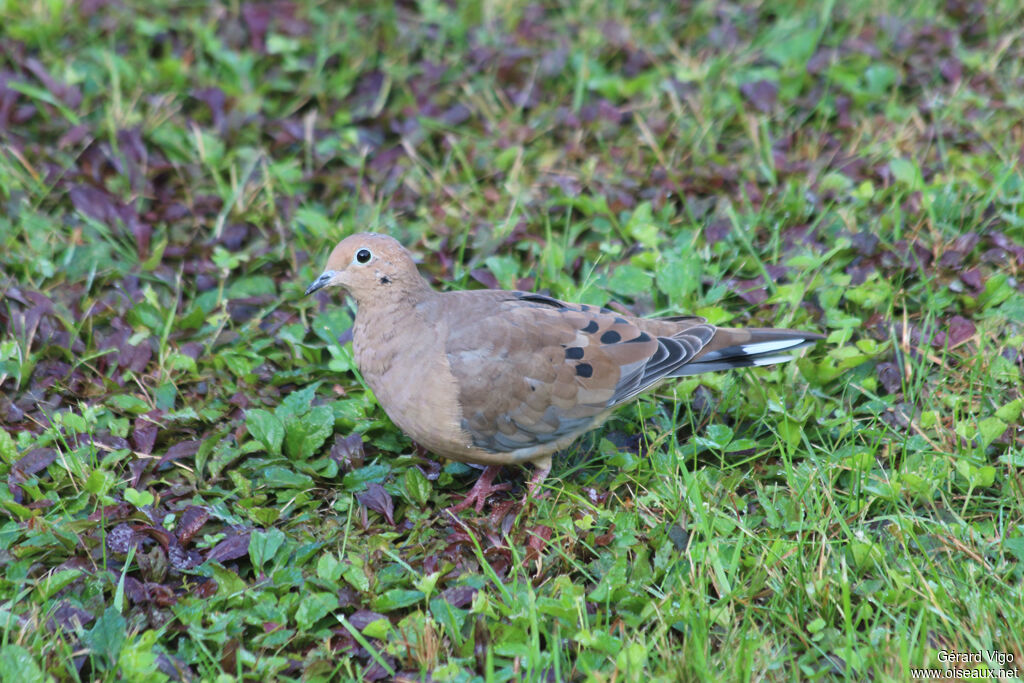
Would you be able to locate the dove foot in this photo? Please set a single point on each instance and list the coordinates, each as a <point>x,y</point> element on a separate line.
<point>481,490</point>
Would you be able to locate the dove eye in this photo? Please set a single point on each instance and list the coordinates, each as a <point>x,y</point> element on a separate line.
<point>363,256</point>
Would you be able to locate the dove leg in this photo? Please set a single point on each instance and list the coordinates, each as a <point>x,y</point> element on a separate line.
<point>541,468</point>
<point>483,488</point>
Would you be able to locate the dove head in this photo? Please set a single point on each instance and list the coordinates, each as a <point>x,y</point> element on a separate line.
<point>372,267</point>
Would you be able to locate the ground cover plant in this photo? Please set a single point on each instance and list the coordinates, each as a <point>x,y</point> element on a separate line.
<point>198,487</point>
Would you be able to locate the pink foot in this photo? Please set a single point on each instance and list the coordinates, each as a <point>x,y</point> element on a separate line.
<point>483,488</point>
<point>541,468</point>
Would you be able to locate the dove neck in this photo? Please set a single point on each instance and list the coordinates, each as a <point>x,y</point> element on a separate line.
<point>395,298</point>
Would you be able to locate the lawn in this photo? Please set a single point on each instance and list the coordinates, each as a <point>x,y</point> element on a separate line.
<point>200,487</point>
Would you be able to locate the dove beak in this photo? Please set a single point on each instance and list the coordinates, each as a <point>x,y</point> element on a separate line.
<point>321,282</point>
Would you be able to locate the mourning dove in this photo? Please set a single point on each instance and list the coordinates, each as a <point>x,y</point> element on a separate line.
<point>495,377</point>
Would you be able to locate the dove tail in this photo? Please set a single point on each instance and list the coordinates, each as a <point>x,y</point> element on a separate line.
<point>741,348</point>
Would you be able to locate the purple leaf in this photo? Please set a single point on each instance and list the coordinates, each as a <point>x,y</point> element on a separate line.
<point>144,435</point>
<point>459,596</point>
<point>347,451</point>
<point>972,278</point>
<point>717,231</point>
<point>364,617</point>
<point>67,617</point>
<point>762,94</point>
<point>231,548</point>
<point>122,537</point>
<point>484,277</point>
<point>379,500</point>
<point>890,376</point>
<point>34,461</point>
<point>190,522</point>
<point>184,449</point>
<point>960,329</point>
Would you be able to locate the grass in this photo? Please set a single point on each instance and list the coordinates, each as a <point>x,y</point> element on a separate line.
<point>199,486</point>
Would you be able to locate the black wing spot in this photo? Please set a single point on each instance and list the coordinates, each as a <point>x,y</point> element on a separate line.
<point>574,352</point>
<point>540,299</point>
<point>585,370</point>
<point>644,337</point>
<point>591,328</point>
<point>620,321</point>
<point>611,337</point>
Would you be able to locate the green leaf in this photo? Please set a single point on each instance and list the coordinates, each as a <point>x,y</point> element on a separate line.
<point>182,363</point>
<point>156,256</point>
<point>678,277</point>
<point>254,285</point>
<point>192,320</point>
<point>451,618</point>
<point>331,324</point>
<point>73,422</point>
<point>304,436</point>
<point>417,488</point>
<point>428,583</point>
<point>8,450</point>
<point>356,480</point>
<point>632,658</point>
<point>17,664</point>
<point>276,476</point>
<point>1013,307</point>
<point>127,403</point>
<point>790,430</point>
<point>378,628</point>
<point>138,660</point>
<point>977,477</point>
<point>328,567</point>
<point>630,281</point>
<point>229,584</point>
<point>263,546</point>
<point>166,396</point>
<point>794,49</point>
<point>396,598</point>
<point>139,499</point>
<point>314,220</point>
<point>879,78</point>
<point>265,428</point>
<point>296,404</point>
<point>613,584</point>
<point>718,435</point>
<point>990,429</point>
<point>642,227</point>
<point>997,290</point>
<point>505,270</point>
<point>99,482</point>
<point>355,576</point>
<point>864,552</point>
<point>906,173</point>
<point>146,315</point>
<point>106,637</point>
<point>313,608</point>
<point>44,95</point>
<point>1015,546</point>
<point>240,364</point>
<point>56,581</point>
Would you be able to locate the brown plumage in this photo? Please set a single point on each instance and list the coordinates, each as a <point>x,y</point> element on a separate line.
<point>495,377</point>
